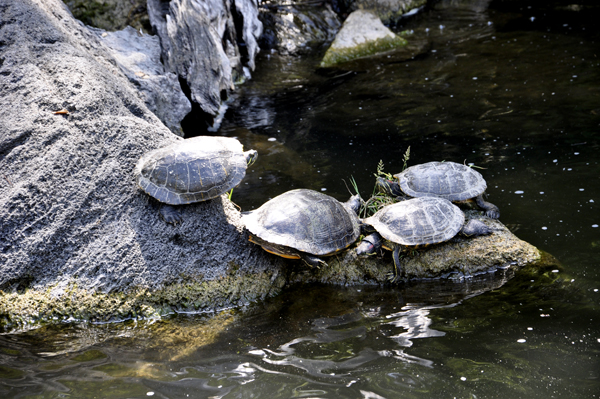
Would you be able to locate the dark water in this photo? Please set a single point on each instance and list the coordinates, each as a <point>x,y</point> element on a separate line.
<point>512,89</point>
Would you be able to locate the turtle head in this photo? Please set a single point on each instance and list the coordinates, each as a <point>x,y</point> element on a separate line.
<point>354,203</point>
<point>370,245</point>
<point>389,187</point>
<point>251,156</point>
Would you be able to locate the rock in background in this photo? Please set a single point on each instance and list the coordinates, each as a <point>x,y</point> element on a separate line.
<point>138,56</point>
<point>388,11</point>
<point>199,41</point>
<point>363,34</point>
<point>297,28</point>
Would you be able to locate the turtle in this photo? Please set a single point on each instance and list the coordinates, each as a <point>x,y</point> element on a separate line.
<point>416,222</point>
<point>450,180</point>
<point>192,170</point>
<point>304,224</point>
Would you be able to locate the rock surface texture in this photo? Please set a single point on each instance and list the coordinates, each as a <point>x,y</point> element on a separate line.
<point>363,34</point>
<point>199,43</point>
<point>79,240</point>
<point>111,15</point>
<point>138,56</point>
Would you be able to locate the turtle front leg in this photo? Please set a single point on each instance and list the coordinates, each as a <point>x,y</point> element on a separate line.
<point>170,214</point>
<point>313,261</point>
<point>491,210</point>
<point>475,228</point>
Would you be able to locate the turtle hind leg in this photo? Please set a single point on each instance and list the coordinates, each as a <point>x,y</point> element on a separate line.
<point>475,228</point>
<point>170,214</point>
<point>313,261</point>
<point>491,210</point>
<point>398,273</point>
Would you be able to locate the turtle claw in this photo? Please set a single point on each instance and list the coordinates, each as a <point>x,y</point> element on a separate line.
<point>491,210</point>
<point>493,213</point>
<point>170,214</point>
<point>394,278</point>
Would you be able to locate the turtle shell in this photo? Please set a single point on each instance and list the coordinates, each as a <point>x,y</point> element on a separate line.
<point>192,170</point>
<point>305,220</point>
<point>418,221</point>
<point>449,180</point>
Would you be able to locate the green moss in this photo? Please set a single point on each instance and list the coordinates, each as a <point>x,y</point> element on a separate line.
<point>10,373</point>
<point>507,374</point>
<point>89,356</point>
<point>12,352</point>
<point>107,388</point>
<point>35,307</point>
<point>335,56</point>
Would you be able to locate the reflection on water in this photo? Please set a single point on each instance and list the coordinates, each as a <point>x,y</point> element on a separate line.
<point>319,341</point>
<point>516,90</point>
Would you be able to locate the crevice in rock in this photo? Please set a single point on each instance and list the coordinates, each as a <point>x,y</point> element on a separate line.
<point>238,21</point>
<point>196,122</point>
<point>10,144</point>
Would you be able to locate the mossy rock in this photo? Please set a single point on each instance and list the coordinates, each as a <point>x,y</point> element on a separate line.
<point>377,47</point>
<point>362,35</point>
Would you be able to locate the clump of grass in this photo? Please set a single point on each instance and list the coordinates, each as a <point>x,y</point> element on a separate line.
<point>405,158</point>
<point>381,173</point>
<point>378,199</point>
<point>375,203</point>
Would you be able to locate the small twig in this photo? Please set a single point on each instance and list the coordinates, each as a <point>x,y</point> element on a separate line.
<point>6,178</point>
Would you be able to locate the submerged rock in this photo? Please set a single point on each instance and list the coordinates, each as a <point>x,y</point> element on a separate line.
<point>138,56</point>
<point>294,29</point>
<point>199,44</point>
<point>363,34</point>
<point>460,257</point>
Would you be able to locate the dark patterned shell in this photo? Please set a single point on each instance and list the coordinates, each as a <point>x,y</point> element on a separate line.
<point>418,221</point>
<point>305,220</point>
<point>449,180</point>
<point>192,170</point>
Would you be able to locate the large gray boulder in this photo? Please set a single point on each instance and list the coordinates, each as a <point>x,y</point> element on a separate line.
<point>199,44</point>
<point>73,223</point>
